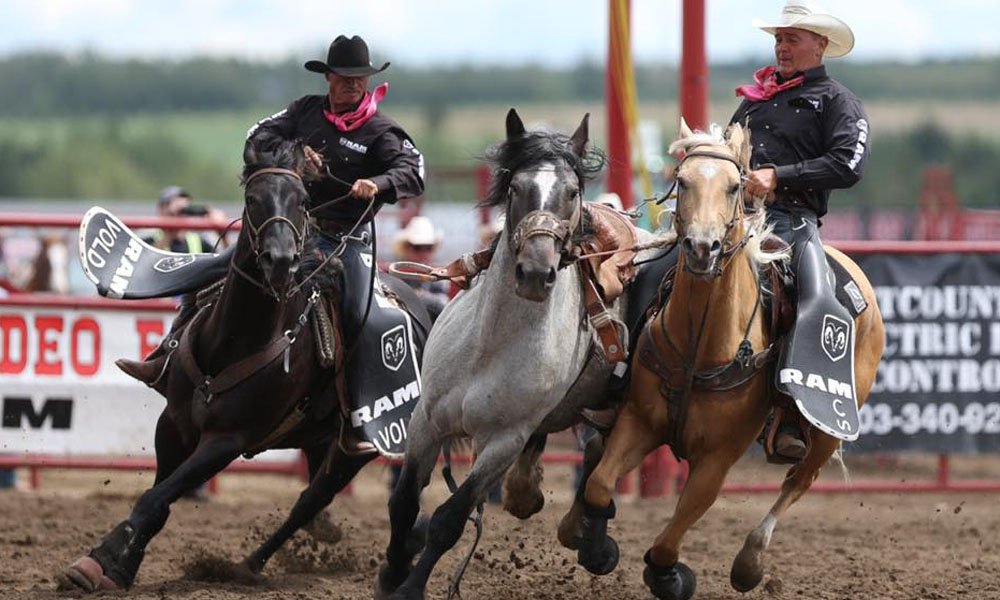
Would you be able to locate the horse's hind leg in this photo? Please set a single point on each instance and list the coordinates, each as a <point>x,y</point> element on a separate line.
<point>448,522</point>
<point>522,496</point>
<point>422,448</point>
<point>114,562</point>
<point>570,525</point>
<point>748,568</point>
<point>334,473</point>
<point>631,440</point>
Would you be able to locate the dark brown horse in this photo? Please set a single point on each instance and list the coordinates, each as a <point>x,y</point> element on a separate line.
<point>244,370</point>
<point>713,310</point>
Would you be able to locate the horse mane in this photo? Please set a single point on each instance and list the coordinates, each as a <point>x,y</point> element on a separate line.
<point>274,153</point>
<point>532,148</point>
<point>755,223</point>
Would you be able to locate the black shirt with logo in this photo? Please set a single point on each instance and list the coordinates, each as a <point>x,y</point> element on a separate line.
<point>379,150</point>
<point>815,135</point>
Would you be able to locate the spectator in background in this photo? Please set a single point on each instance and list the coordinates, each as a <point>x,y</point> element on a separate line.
<point>174,201</point>
<point>418,242</point>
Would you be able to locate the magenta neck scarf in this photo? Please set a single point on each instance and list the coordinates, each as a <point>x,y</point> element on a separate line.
<point>349,121</point>
<point>766,85</point>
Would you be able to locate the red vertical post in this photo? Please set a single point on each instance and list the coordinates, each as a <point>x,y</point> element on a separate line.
<point>619,151</point>
<point>482,189</point>
<point>944,472</point>
<point>694,66</point>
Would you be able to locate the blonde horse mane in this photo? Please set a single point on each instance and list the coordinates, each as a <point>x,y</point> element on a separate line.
<point>736,141</point>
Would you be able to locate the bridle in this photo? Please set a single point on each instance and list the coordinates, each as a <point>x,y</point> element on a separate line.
<point>541,222</point>
<point>254,232</point>
<point>737,214</point>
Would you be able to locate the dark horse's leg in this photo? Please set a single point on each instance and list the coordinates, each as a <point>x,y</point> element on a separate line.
<point>113,563</point>
<point>333,474</point>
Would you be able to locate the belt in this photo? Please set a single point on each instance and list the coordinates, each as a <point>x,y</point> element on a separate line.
<point>792,199</point>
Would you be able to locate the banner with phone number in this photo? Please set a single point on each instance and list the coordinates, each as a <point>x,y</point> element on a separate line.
<point>938,386</point>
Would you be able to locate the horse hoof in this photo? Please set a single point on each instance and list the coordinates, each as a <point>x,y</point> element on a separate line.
<point>601,561</point>
<point>569,528</point>
<point>676,582</point>
<point>88,575</point>
<point>748,569</point>
<point>252,564</point>
<point>387,582</point>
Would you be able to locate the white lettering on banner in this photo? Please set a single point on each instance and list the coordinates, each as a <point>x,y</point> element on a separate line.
<point>103,242</point>
<point>72,345</point>
<point>965,376</point>
<point>946,418</point>
<point>382,405</point>
<point>933,339</point>
<point>912,302</point>
<point>817,382</point>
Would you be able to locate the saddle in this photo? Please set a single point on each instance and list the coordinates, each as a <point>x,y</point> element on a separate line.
<point>614,236</point>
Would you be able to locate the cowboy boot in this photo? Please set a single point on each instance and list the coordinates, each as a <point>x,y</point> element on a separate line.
<point>789,443</point>
<point>150,369</point>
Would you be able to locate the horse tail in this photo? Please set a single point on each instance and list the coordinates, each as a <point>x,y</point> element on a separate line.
<point>838,458</point>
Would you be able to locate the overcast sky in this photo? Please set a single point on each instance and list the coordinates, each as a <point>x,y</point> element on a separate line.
<point>429,32</point>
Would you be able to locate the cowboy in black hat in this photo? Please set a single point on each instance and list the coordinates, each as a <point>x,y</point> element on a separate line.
<point>371,158</point>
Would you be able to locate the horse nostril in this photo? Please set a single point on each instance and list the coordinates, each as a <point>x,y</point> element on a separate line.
<point>716,246</point>
<point>266,262</point>
<point>551,277</point>
<point>687,244</point>
<point>519,273</point>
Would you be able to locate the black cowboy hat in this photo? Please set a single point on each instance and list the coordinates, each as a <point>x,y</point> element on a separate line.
<point>347,57</point>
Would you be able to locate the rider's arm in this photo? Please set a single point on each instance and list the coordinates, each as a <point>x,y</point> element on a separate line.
<point>277,128</point>
<point>403,175</point>
<point>845,135</point>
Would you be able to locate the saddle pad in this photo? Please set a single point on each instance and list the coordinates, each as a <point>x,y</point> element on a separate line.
<point>385,391</point>
<point>817,365</point>
<point>122,265</point>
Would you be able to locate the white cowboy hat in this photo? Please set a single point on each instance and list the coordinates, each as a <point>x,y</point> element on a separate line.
<point>802,14</point>
<point>420,231</point>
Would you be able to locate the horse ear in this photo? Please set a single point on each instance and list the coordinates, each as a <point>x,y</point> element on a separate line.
<point>580,137</point>
<point>685,130</point>
<point>738,140</point>
<point>249,153</point>
<point>515,127</point>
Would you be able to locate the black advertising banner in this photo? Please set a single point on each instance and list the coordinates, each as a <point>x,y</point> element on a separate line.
<point>938,386</point>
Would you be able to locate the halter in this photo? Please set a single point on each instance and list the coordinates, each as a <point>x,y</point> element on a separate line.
<point>543,222</point>
<point>727,252</point>
<point>254,232</point>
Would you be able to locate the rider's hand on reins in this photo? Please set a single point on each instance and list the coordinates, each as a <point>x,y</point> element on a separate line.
<point>365,189</point>
<point>315,158</point>
<point>761,183</point>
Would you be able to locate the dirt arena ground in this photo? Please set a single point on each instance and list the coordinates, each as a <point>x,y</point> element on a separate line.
<point>838,547</point>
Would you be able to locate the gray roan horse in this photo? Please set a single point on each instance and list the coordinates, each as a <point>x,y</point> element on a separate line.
<point>508,361</point>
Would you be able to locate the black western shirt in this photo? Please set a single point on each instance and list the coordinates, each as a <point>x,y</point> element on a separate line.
<point>379,150</point>
<point>815,135</point>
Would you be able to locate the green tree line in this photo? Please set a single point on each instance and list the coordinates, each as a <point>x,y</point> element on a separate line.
<point>44,84</point>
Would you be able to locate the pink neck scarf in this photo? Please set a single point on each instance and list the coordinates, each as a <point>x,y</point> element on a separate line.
<point>349,121</point>
<point>766,85</point>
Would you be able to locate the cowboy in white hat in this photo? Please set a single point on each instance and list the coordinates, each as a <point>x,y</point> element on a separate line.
<point>809,135</point>
<point>417,242</point>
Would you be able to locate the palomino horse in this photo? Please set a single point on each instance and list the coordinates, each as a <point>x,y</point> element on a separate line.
<point>508,361</point>
<point>712,309</point>
<point>258,342</point>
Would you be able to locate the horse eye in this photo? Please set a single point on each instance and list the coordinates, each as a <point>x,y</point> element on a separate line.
<point>733,189</point>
